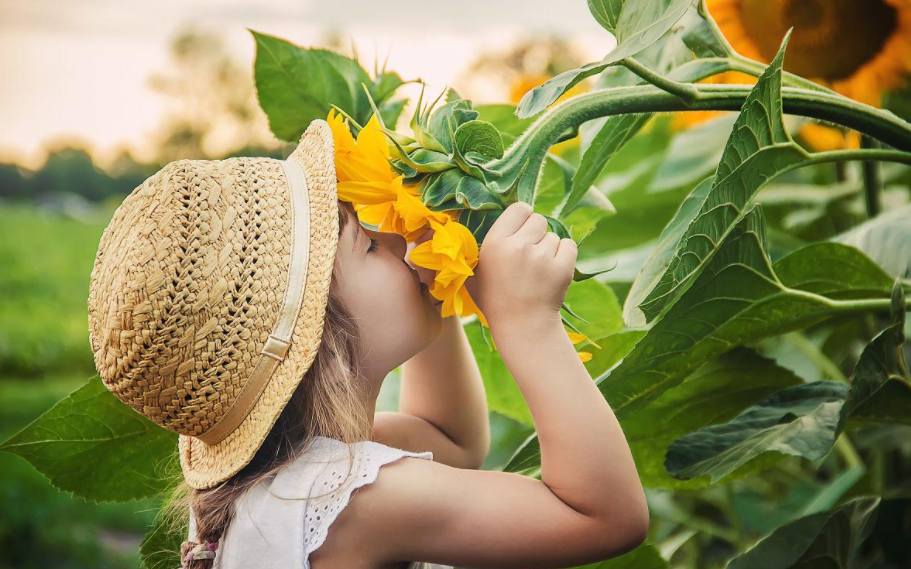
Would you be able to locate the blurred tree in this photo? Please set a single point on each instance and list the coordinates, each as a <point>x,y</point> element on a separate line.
<point>213,111</point>
<point>505,75</point>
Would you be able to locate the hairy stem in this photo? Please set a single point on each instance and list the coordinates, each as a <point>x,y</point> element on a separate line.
<point>533,144</point>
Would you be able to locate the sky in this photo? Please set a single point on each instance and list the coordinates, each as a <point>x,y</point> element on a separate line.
<point>77,70</point>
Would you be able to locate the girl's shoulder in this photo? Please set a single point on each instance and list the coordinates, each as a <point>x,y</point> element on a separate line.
<point>301,502</point>
<point>331,471</point>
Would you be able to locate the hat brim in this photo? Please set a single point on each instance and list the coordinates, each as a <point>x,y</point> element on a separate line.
<point>205,466</point>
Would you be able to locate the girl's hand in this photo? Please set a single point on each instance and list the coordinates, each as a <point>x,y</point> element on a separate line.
<point>427,275</point>
<point>523,269</point>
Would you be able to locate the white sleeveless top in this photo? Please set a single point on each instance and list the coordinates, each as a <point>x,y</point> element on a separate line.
<point>270,532</point>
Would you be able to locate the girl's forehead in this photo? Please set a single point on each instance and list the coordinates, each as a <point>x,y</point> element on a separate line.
<point>349,225</point>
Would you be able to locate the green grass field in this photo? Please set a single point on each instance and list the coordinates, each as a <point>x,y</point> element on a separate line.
<point>45,263</point>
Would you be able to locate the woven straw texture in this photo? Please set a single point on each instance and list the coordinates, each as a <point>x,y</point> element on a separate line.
<point>188,283</point>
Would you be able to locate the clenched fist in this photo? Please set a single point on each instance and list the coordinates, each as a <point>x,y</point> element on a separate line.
<point>523,269</point>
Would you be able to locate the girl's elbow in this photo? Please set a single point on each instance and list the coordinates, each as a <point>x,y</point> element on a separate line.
<point>628,530</point>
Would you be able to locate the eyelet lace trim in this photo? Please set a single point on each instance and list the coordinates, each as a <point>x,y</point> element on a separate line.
<point>322,511</point>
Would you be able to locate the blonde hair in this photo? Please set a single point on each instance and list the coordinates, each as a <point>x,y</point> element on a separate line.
<point>328,402</point>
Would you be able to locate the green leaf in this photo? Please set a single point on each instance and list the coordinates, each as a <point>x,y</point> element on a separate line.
<point>93,445</point>
<point>694,154</point>
<point>637,24</point>
<point>597,303</point>
<point>481,137</point>
<point>715,393</point>
<point>886,239</point>
<point>758,150</point>
<point>453,114</point>
<point>699,37</point>
<point>799,421</point>
<point>806,420</point>
<point>848,272</point>
<point>827,539</point>
<point>384,86</point>
<point>607,13</point>
<point>736,299</point>
<point>643,557</point>
<point>660,257</point>
<point>467,191</point>
<point>296,85</point>
<point>615,133</point>
<point>881,387</point>
<point>613,348</point>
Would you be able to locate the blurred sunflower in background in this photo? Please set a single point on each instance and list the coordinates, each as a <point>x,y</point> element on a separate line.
<point>506,76</point>
<point>859,48</point>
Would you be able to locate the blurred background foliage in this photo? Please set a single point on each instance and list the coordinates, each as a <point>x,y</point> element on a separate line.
<point>51,219</point>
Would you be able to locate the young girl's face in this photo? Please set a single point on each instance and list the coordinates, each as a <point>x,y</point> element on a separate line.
<point>397,317</point>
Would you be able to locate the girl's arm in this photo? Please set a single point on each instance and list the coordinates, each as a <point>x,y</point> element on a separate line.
<point>441,393</point>
<point>589,504</point>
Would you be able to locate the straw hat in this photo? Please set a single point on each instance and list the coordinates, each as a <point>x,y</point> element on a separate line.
<point>208,296</point>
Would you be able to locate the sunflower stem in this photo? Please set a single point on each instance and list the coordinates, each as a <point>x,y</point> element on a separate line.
<point>533,143</point>
<point>873,178</point>
<point>686,91</point>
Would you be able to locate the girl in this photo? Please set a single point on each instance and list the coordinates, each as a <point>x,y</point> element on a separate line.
<point>285,462</point>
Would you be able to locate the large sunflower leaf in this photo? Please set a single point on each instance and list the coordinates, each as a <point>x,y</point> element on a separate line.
<point>93,445</point>
<point>738,298</point>
<point>758,150</point>
<point>886,239</point>
<point>636,24</point>
<point>715,393</point>
<point>881,386</point>
<point>799,421</point>
<point>660,257</point>
<point>827,539</point>
<point>615,133</point>
<point>295,85</point>
<point>805,420</point>
<point>646,556</point>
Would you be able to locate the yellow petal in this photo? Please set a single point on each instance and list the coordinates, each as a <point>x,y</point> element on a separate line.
<point>423,256</point>
<point>365,192</point>
<point>576,338</point>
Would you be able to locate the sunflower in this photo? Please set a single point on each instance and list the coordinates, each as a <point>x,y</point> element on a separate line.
<point>452,252</point>
<point>859,48</point>
<point>367,180</point>
<point>380,198</point>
